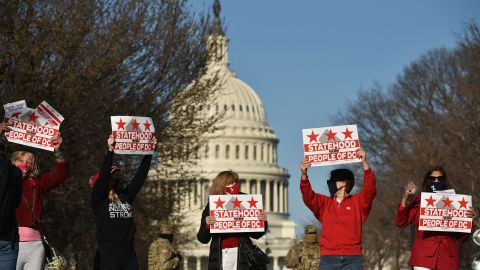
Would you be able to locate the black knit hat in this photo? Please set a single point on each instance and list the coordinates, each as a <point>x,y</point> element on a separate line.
<point>343,175</point>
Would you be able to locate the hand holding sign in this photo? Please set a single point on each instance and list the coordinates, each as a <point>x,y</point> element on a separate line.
<point>56,141</point>
<point>210,220</point>
<point>111,143</point>
<point>4,127</point>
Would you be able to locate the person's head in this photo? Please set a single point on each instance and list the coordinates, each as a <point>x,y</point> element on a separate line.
<point>26,162</point>
<point>435,179</point>
<point>115,180</point>
<point>223,182</point>
<point>310,235</point>
<point>3,146</point>
<point>341,180</point>
<point>166,232</point>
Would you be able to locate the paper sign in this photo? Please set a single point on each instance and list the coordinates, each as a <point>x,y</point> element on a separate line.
<point>32,127</point>
<point>445,212</point>
<point>236,213</point>
<point>331,145</point>
<point>133,135</point>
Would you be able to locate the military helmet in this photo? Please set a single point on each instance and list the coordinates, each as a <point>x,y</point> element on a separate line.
<point>310,229</point>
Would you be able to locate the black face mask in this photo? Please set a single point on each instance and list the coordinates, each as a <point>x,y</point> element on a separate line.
<point>169,237</point>
<point>332,187</point>
<point>437,186</point>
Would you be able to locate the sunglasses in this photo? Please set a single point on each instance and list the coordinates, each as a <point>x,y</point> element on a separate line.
<point>440,178</point>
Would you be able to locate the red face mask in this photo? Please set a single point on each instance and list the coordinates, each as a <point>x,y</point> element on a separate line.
<point>232,189</point>
<point>25,168</point>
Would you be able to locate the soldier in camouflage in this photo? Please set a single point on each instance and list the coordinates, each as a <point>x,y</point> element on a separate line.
<point>306,254</point>
<point>161,254</point>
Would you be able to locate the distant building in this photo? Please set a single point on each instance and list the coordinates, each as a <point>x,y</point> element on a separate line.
<point>247,145</point>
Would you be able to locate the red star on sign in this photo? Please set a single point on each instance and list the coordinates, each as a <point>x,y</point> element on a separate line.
<point>347,133</point>
<point>15,115</point>
<point>135,124</point>
<point>237,203</point>
<point>331,135</point>
<point>430,201</point>
<point>32,118</point>
<point>147,125</point>
<point>463,203</point>
<point>219,203</point>
<point>120,124</point>
<point>447,202</point>
<point>313,137</point>
<point>252,203</point>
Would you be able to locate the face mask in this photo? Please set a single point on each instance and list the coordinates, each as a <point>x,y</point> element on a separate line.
<point>332,187</point>
<point>232,189</point>
<point>25,168</point>
<point>169,237</point>
<point>437,186</point>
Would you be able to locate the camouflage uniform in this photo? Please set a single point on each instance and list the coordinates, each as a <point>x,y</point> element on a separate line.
<point>306,254</point>
<point>162,256</point>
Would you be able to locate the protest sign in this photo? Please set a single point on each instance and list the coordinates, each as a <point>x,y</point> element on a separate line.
<point>236,213</point>
<point>445,212</point>
<point>32,127</point>
<point>331,145</point>
<point>133,135</point>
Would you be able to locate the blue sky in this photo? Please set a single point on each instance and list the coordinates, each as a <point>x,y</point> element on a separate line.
<point>308,59</point>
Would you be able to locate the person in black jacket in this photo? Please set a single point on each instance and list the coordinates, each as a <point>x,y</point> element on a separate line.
<point>10,197</point>
<point>226,251</point>
<point>112,207</point>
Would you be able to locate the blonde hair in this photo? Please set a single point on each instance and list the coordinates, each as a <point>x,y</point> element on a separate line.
<point>112,196</point>
<point>18,156</point>
<point>221,181</point>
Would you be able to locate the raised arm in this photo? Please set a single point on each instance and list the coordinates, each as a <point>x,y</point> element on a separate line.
<point>61,171</point>
<point>406,213</point>
<point>369,185</point>
<point>100,188</point>
<point>140,176</point>
<point>312,200</point>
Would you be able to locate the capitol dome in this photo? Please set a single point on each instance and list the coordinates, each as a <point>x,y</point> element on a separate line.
<point>246,144</point>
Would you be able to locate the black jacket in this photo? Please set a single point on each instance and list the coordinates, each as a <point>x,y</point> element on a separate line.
<point>10,198</point>
<point>214,257</point>
<point>115,222</point>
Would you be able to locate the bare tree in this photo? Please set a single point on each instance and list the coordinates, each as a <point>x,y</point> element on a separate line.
<point>96,58</point>
<point>429,116</point>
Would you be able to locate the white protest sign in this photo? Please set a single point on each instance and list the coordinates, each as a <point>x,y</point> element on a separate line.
<point>133,135</point>
<point>32,127</point>
<point>331,145</point>
<point>236,213</point>
<point>445,212</point>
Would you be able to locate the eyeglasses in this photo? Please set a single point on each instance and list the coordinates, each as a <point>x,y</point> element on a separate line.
<point>440,178</point>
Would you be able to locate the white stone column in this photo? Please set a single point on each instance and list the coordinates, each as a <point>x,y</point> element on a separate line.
<point>267,196</point>
<point>275,196</point>
<point>199,194</point>
<point>185,263</point>
<point>199,263</point>
<point>275,263</point>
<point>247,184</point>
<point>282,198</point>
<point>285,196</point>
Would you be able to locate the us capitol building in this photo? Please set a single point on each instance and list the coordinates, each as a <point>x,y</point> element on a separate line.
<point>247,145</point>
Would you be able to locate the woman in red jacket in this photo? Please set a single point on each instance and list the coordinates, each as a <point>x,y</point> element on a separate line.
<point>342,215</point>
<point>29,213</point>
<point>431,249</point>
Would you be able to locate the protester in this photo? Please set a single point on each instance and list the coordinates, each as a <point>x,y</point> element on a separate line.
<point>112,205</point>
<point>10,196</point>
<point>431,249</point>
<point>161,254</point>
<point>341,214</point>
<point>224,248</point>
<point>305,255</point>
<point>29,214</point>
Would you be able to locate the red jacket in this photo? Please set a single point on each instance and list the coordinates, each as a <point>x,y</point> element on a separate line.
<point>341,222</point>
<point>29,212</point>
<point>433,250</point>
